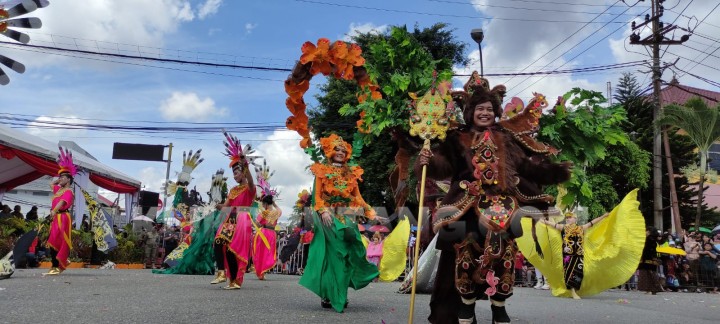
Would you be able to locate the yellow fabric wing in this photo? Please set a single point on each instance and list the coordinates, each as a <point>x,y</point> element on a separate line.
<point>365,241</point>
<point>394,256</point>
<point>612,250</point>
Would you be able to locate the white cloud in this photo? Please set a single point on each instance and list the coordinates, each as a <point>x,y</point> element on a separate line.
<point>249,27</point>
<point>189,106</point>
<point>284,155</point>
<point>356,29</point>
<point>209,7</point>
<point>107,23</point>
<point>42,126</point>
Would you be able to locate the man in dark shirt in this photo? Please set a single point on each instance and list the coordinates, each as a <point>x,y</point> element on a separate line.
<point>32,214</point>
<point>16,212</point>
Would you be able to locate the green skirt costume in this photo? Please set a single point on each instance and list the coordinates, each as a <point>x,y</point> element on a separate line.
<point>336,261</point>
<point>197,258</point>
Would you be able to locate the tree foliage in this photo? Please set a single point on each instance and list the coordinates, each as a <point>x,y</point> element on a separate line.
<point>377,158</point>
<point>630,95</point>
<point>584,131</point>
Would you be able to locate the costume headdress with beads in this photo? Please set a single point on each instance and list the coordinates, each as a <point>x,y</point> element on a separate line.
<point>234,150</point>
<point>263,176</point>
<point>65,161</point>
<point>331,142</point>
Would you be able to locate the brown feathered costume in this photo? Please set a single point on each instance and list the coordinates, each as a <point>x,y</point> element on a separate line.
<point>497,174</point>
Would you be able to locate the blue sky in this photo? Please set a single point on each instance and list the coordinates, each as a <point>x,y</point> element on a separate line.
<point>269,34</point>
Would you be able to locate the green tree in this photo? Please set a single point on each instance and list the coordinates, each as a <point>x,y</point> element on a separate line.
<point>702,126</point>
<point>584,132</point>
<point>633,98</point>
<point>377,159</point>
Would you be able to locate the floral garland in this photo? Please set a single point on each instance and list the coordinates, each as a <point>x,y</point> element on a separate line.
<point>341,60</point>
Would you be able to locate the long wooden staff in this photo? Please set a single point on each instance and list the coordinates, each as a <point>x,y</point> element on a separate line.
<point>428,121</point>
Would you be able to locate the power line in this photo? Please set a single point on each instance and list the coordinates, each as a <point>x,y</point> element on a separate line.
<point>673,23</point>
<point>555,10</point>
<point>574,57</point>
<point>125,56</point>
<point>564,40</point>
<point>437,14</point>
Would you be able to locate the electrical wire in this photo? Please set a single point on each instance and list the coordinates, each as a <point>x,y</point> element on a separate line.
<point>554,10</point>
<point>437,14</point>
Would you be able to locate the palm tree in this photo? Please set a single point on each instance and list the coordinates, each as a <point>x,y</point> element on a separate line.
<point>702,125</point>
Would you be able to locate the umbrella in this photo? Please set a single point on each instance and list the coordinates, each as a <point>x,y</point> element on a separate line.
<point>142,218</point>
<point>361,227</point>
<point>379,228</point>
<point>670,250</point>
<point>23,245</point>
<point>716,230</point>
<point>702,229</point>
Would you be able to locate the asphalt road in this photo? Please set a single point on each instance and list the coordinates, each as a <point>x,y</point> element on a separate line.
<point>136,296</point>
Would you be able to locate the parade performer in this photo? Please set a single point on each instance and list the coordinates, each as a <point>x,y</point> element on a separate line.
<point>496,168</point>
<point>197,257</point>
<point>182,201</point>
<point>337,258</point>
<point>232,240</point>
<point>59,241</point>
<point>648,279</point>
<point>264,247</point>
<point>375,249</point>
<point>583,260</point>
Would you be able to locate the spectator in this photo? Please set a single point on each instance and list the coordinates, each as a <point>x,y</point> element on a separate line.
<point>85,226</point>
<point>519,273</point>
<point>172,239</point>
<point>708,267</point>
<point>148,239</point>
<point>692,247</point>
<point>5,212</point>
<point>16,212</point>
<point>35,253</point>
<point>32,215</point>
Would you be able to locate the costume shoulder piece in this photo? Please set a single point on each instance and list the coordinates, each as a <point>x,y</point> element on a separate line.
<point>327,171</point>
<point>523,122</point>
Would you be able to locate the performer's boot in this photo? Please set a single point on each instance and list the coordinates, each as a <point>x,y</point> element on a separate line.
<point>574,294</point>
<point>54,271</point>
<point>233,284</point>
<point>499,315</point>
<point>219,277</point>
<point>325,303</point>
<point>466,312</point>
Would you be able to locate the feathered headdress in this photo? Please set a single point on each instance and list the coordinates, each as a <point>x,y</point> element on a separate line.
<point>331,142</point>
<point>65,161</point>
<point>236,153</point>
<point>190,162</point>
<point>303,199</point>
<point>263,176</point>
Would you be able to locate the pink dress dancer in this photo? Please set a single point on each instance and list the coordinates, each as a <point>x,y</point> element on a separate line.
<point>375,251</point>
<point>59,241</point>
<point>265,256</point>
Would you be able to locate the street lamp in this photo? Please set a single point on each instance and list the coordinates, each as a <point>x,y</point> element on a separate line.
<point>478,35</point>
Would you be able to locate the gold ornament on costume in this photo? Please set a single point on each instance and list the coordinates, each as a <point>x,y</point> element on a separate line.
<point>430,120</point>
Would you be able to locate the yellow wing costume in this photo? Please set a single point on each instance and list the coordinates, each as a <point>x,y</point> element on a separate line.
<point>612,250</point>
<point>394,255</point>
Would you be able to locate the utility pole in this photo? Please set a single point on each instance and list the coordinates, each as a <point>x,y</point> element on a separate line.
<point>656,39</point>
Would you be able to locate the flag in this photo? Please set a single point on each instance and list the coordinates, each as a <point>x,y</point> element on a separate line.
<point>101,224</point>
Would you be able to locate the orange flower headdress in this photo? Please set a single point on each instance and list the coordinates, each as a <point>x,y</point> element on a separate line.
<point>342,60</point>
<point>65,161</point>
<point>331,142</point>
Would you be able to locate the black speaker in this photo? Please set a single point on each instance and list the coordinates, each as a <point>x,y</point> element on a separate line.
<point>148,198</point>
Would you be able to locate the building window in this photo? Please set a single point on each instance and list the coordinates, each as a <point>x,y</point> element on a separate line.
<point>12,192</point>
<point>41,193</point>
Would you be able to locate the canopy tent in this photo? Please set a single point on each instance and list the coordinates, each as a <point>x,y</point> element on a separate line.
<point>25,158</point>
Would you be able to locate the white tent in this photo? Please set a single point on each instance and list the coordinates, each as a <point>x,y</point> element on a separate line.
<point>24,158</point>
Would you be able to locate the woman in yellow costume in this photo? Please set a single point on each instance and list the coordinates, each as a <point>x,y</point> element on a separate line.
<point>583,260</point>
<point>337,258</point>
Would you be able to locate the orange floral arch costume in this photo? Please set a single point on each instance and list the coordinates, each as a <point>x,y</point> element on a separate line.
<point>343,61</point>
